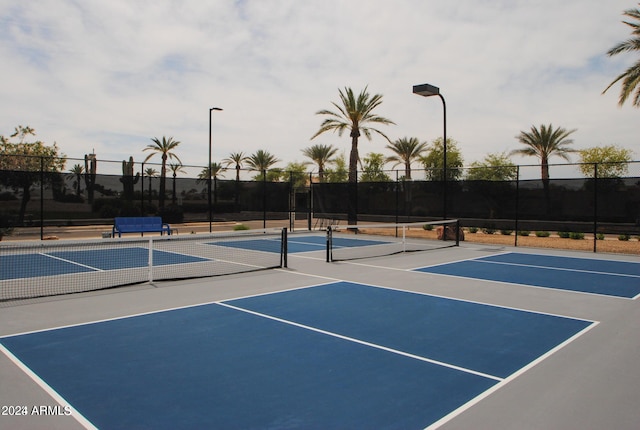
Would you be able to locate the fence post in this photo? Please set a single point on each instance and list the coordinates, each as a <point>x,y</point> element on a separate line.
<point>42,198</point>
<point>292,203</point>
<point>397,196</point>
<point>517,203</point>
<point>310,202</point>
<point>595,207</point>
<point>264,199</point>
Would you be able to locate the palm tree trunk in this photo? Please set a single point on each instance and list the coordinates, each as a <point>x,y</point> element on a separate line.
<point>352,204</point>
<point>545,182</point>
<point>353,156</point>
<point>163,177</point>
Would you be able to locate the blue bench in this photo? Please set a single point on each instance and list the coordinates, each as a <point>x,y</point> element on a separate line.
<point>146,224</point>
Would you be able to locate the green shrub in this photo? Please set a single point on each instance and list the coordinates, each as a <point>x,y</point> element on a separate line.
<point>473,230</point>
<point>488,230</point>
<point>524,233</point>
<point>564,234</point>
<point>600,236</point>
<point>576,236</point>
<point>624,237</point>
<point>542,234</point>
<point>428,227</point>
<point>506,232</point>
<point>240,227</point>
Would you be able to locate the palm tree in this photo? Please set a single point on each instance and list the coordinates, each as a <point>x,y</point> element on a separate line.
<point>544,143</point>
<point>261,160</point>
<point>406,151</point>
<point>77,170</point>
<point>163,147</point>
<point>631,77</point>
<point>215,169</point>
<point>321,155</point>
<point>236,158</point>
<point>175,169</point>
<point>150,172</point>
<point>354,114</point>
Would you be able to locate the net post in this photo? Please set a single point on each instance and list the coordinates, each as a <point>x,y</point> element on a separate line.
<point>284,248</point>
<point>151,260</point>
<point>329,244</point>
<point>404,238</point>
<point>457,232</point>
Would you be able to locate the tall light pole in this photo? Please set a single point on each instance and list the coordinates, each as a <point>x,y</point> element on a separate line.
<point>427,90</point>
<point>209,171</point>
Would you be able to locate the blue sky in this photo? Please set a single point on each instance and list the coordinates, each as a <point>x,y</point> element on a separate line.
<point>112,75</point>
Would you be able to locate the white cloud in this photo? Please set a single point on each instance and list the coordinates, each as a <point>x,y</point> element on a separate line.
<point>112,75</point>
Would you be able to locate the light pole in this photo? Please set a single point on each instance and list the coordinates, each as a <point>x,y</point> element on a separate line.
<point>209,171</point>
<point>427,90</point>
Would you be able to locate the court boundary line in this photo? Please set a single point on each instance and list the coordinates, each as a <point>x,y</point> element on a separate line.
<point>508,379</point>
<point>534,266</point>
<point>57,397</point>
<point>362,342</point>
<point>527,285</point>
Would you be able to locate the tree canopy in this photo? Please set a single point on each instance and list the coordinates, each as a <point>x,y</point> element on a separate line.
<point>631,77</point>
<point>356,114</point>
<point>494,167</point>
<point>612,161</point>
<point>433,161</point>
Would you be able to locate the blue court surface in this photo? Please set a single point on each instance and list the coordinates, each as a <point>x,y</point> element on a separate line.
<point>67,262</point>
<point>338,355</point>
<point>605,277</point>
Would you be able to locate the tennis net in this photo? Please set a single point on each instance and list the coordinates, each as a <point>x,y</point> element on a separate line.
<point>350,242</point>
<point>49,268</point>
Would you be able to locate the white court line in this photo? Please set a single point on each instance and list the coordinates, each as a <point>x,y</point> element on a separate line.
<point>81,419</point>
<point>492,281</point>
<point>361,342</point>
<point>594,272</point>
<point>510,378</point>
<point>71,262</point>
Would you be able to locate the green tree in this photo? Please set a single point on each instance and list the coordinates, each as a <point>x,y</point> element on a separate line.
<point>354,114</point>
<point>261,160</point>
<point>165,148</point>
<point>494,167</point>
<point>339,173</point>
<point>77,170</point>
<point>296,173</point>
<point>630,77</point>
<point>236,158</point>
<point>27,163</point>
<point>544,143</point>
<point>373,169</point>
<point>612,161</point>
<point>433,161</point>
<point>406,151</point>
<point>321,155</point>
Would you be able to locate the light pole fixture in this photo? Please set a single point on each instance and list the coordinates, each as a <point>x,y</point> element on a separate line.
<point>209,172</point>
<point>426,90</point>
